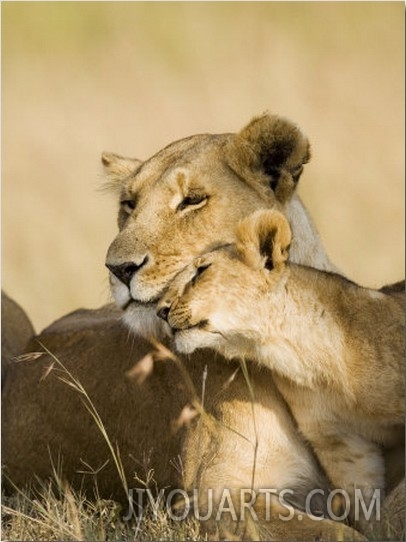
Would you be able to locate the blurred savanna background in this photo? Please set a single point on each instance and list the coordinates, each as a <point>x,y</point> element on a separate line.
<point>82,77</point>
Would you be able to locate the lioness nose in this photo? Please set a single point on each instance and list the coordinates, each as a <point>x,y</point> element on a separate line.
<point>163,313</point>
<point>126,271</point>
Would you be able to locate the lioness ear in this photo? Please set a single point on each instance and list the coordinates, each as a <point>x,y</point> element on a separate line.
<point>263,239</point>
<point>118,168</point>
<point>273,148</point>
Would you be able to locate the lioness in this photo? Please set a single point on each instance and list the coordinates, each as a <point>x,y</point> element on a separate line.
<point>336,349</point>
<point>185,199</point>
<point>190,195</point>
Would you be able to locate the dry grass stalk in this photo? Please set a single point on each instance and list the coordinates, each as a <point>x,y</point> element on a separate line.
<point>73,382</point>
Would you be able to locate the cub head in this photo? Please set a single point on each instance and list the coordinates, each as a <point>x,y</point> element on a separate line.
<point>217,300</point>
<point>189,197</point>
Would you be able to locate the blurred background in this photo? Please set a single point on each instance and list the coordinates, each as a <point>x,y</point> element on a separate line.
<point>82,77</point>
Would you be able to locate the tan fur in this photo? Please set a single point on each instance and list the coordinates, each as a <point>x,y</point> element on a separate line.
<point>232,175</point>
<point>392,523</point>
<point>189,197</point>
<point>44,418</point>
<point>336,349</point>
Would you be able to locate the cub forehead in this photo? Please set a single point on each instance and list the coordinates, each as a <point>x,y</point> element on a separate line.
<point>221,260</point>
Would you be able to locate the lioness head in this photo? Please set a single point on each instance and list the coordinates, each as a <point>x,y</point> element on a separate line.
<point>188,198</point>
<point>212,301</point>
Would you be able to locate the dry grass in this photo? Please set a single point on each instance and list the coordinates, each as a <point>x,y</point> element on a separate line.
<point>62,514</point>
<point>59,513</point>
<point>82,77</point>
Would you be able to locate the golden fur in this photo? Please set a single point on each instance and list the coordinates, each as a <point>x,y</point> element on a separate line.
<point>184,200</point>
<point>336,349</point>
<point>189,197</point>
<point>44,419</point>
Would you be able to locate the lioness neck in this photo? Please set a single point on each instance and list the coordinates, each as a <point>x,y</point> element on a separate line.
<point>306,247</point>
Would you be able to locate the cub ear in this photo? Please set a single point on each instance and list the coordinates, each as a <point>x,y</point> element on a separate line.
<point>263,239</point>
<point>117,168</point>
<point>273,148</point>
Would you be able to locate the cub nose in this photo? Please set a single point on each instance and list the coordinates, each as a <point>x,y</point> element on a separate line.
<point>125,271</point>
<point>163,313</point>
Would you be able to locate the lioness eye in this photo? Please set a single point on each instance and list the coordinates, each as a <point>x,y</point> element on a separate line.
<point>199,271</point>
<point>191,200</point>
<point>128,205</point>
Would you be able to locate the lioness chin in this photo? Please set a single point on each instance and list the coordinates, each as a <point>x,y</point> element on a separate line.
<point>336,349</point>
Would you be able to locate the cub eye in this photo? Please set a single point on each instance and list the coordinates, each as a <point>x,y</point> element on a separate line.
<point>199,272</point>
<point>191,200</point>
<point>128,205</point>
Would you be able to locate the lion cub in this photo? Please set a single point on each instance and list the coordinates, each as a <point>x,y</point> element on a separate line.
<point>336,349</point>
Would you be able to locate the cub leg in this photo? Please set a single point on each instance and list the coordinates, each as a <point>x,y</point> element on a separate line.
<point>355,466</point>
